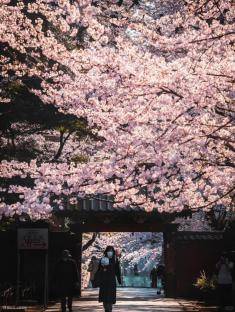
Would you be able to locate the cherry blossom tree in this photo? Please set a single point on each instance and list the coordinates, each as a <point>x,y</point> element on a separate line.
<point>153,82</point>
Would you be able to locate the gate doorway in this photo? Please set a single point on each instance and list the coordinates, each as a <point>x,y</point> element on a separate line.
<point>100,216</point>
<point>140,255</point>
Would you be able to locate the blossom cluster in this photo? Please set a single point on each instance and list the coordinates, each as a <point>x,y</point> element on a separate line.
<point>155,89</point>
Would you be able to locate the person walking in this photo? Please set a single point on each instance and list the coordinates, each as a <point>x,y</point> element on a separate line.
<point>153,277</point>
<point>225,282</point>
<point>108,271</point>
<point>160,278</point>
<point>136,270</point>
<point>92,268</point>
<point>66,279</point>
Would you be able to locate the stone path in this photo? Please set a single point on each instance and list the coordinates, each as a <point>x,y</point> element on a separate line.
<point>135,300</point>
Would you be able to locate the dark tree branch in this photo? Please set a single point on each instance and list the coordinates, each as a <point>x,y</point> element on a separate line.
<point>63,140</point>
<point>90,242</point>
<point>214,37</point>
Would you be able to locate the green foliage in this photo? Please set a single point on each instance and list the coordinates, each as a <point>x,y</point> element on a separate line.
<point>15,87</point>
<point>80,159</point>
<point>205,283</point>
<point>77,126</point>
<point>5,225</point>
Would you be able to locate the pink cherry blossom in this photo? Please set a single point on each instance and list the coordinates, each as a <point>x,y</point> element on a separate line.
<point>154,88</point>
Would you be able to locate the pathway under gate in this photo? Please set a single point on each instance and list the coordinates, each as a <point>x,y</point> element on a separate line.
<point>135,300</point>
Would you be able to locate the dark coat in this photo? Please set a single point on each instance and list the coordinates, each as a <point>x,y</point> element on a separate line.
<point>153,274</point>
<point>108,285</point>
<point>66,278</point>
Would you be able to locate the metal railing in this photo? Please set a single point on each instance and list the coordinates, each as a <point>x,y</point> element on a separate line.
<point>8,294</point>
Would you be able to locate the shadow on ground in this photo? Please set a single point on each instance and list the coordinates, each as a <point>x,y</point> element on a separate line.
<point>135,300</point>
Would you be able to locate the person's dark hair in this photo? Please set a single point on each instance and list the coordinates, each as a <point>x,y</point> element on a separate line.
<point>109,248</point>
<point>65,254</point>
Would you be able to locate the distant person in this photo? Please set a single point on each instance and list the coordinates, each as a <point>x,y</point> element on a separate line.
<point>160,277</point>
<point>92,268</point>
<point>225,282</point>
<point>136,270</point>
<point>66,279</point>
<point>153,277</point>
<point>109,270</point>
